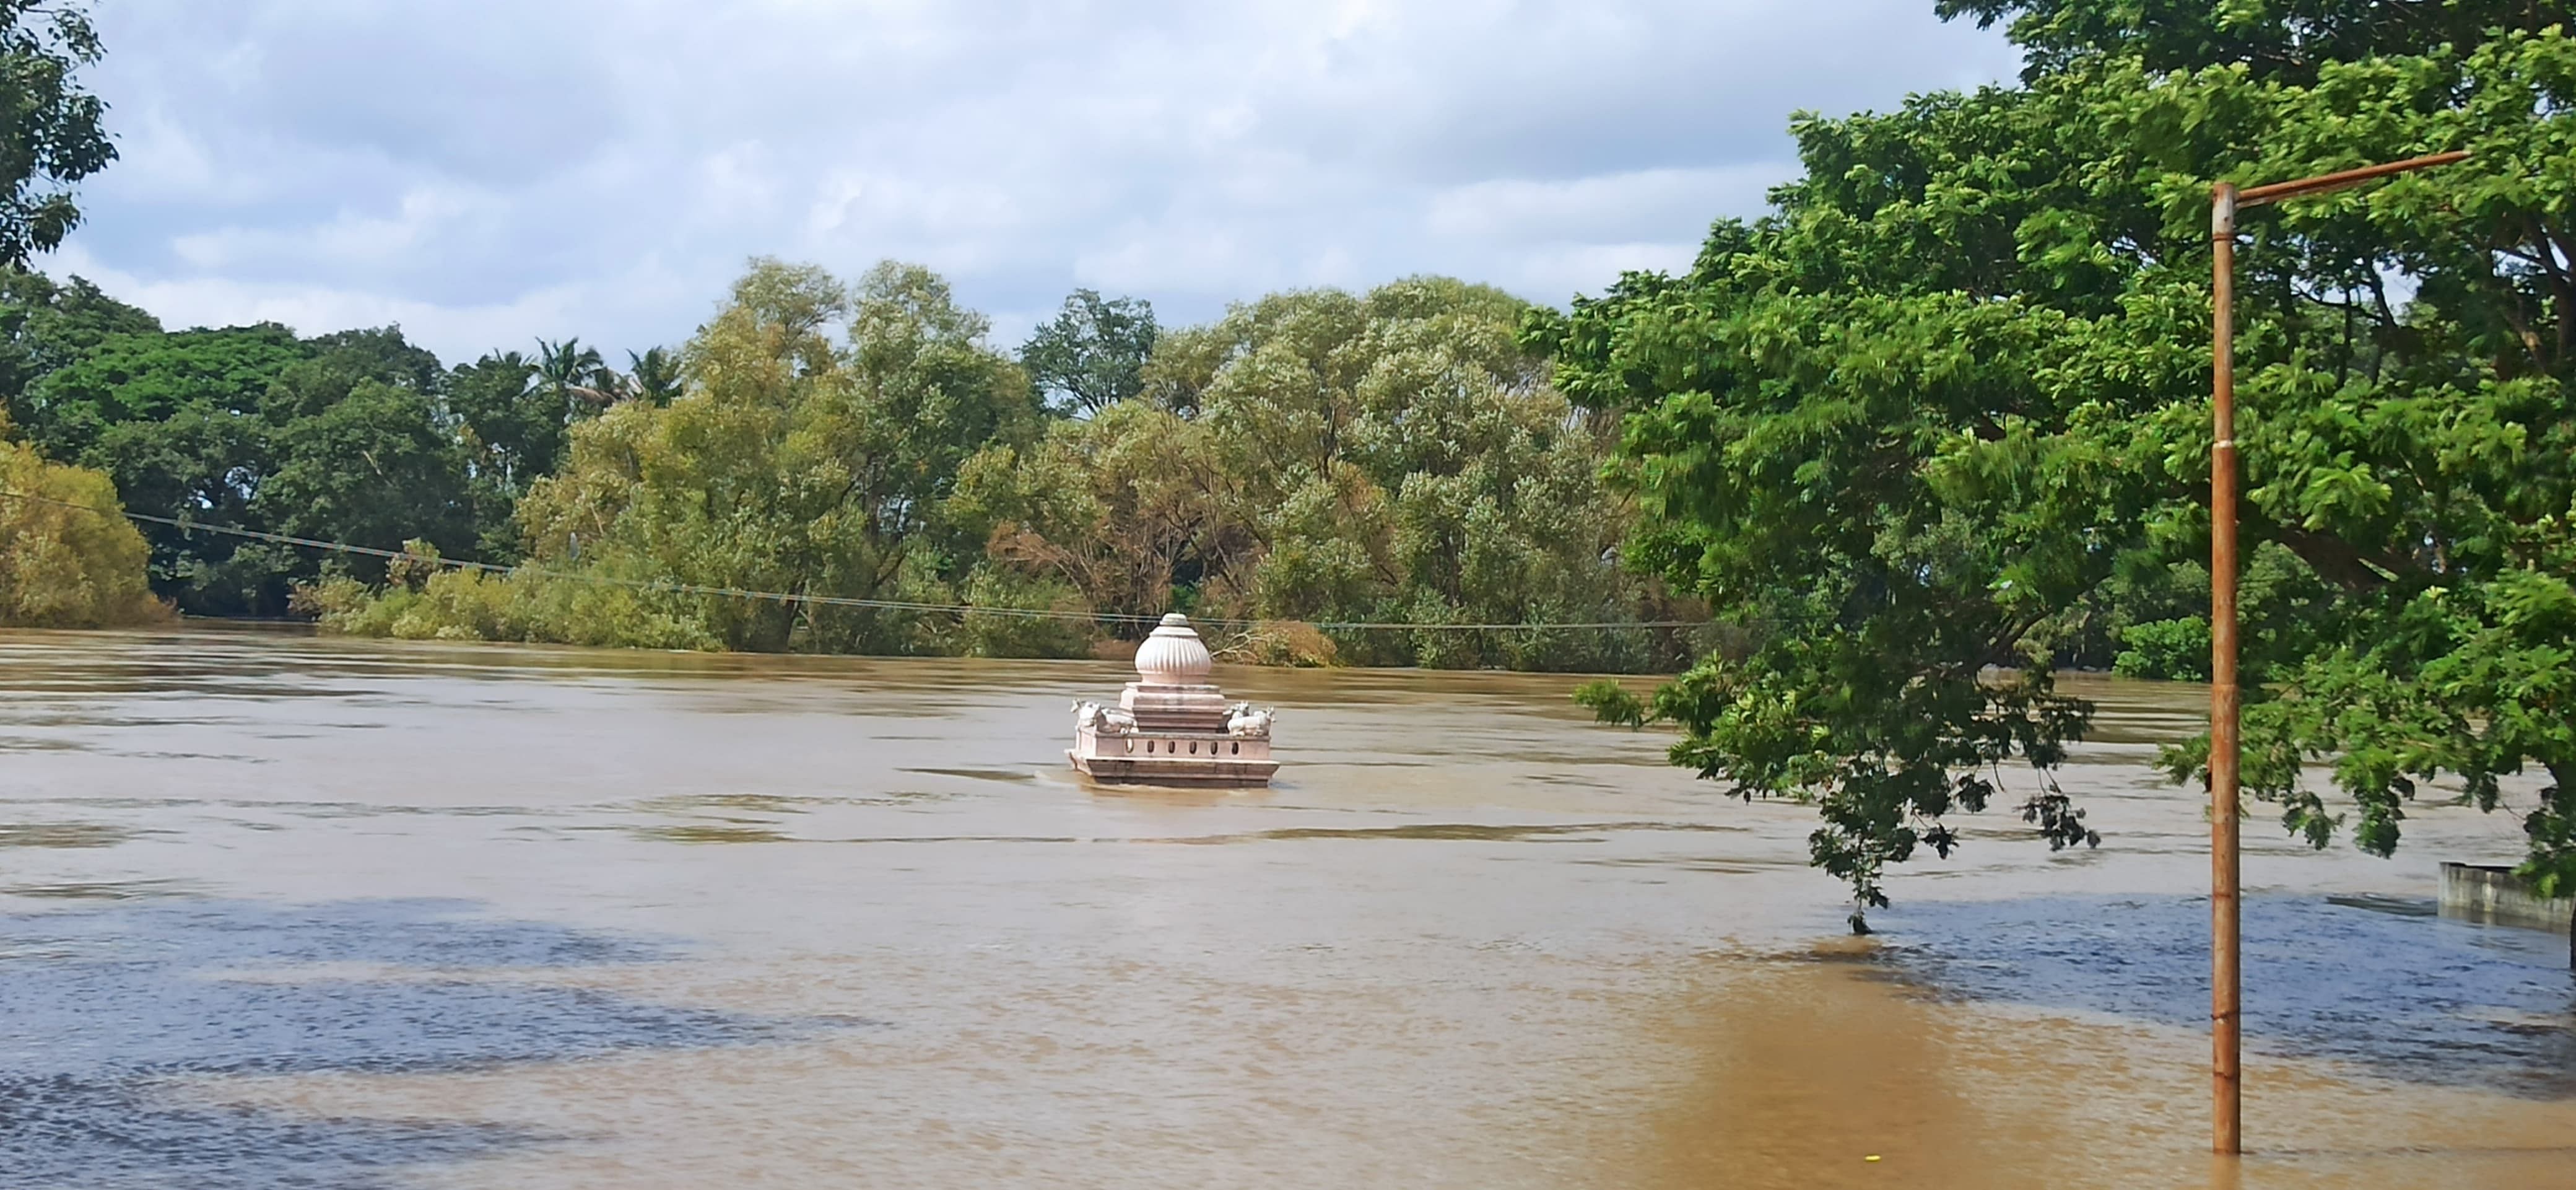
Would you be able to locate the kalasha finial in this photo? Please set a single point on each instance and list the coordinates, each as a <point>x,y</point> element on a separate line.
<point>1174,655</point>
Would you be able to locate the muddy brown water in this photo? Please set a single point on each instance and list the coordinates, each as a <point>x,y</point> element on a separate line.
<point>285,910</point>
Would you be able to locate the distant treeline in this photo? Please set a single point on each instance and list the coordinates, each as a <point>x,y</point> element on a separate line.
<point>1314,456</point>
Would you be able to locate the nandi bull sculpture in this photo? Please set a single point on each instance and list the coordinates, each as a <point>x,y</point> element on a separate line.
<point>1171,726</point>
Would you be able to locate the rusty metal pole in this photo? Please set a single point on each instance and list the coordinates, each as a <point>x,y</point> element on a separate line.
<point>2225,1008</point>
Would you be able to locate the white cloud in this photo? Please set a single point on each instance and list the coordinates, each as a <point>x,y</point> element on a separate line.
<point>424,217</point>
<point>486,172</point>
<point>1666,200</point>
<point>1563,268</point>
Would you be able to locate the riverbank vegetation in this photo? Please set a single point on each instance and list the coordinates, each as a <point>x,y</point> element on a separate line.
<point>1938,414</point>
<point>1395,456</point>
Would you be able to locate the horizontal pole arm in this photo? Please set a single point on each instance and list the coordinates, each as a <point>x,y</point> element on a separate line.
<point>2324,183</point>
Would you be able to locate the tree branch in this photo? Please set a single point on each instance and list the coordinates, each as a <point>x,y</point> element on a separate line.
<point>2334,559</point>
<point>2562,285</point>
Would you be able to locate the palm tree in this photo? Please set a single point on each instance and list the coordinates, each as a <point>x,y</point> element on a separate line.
<point>577,376</point>
<point>653,376</point>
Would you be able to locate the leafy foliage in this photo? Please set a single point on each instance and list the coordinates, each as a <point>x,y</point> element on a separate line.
<point>357,436</point>
<point>151,377</point>
<point>1393,456</point>
<point>51,131</point>
<point>371,466</point>
<point>576,378</point>
<point>1092,354</point>
<point>1924,424</point>
<point>474,605</point>
<point>2176,648</point>
<point>45,327</point>
<point>1314,456</point>
<point>338,437</point>
<point>1321,455</point>
<point>813,452</point>
<point>62,566</point>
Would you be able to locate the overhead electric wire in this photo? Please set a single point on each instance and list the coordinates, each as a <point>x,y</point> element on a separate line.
<point>904,605</point>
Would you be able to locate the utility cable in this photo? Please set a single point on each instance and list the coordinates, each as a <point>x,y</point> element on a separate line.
<point>789,597</point>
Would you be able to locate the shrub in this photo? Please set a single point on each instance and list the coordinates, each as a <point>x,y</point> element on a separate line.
<point>521,606</point>
<point>1282,642</point>
<point>979,634</point>
<point>2176,649</point>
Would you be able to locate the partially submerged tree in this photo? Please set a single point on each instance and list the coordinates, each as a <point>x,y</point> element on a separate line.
<point>1905,428</point>
<point>813,454</point>
<point>1388,456</point>
<point>67,559</point>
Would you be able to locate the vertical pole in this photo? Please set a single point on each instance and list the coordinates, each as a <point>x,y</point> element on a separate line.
<point>2225,1020</point>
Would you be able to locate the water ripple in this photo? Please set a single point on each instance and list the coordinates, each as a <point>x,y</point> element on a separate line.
<point>98,1004</point>
<point>2374,982</point>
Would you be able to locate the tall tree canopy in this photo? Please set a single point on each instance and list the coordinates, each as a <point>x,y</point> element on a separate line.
<point>342,436</point>
<point>45,327</point>
<point>1389,456</point>
<point>357,436</point>
<point>820,432</point>
<point>1392,456</point>
<point>1913,427</point>
<point>1092,354</point>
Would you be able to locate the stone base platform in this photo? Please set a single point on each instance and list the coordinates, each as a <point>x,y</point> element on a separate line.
<point>1203,772</point>
<point>2492,893</point>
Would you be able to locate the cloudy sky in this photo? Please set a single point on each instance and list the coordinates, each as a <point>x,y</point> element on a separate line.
<point>487,171</point>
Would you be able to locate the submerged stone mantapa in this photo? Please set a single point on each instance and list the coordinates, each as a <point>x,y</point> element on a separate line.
<point>1171,725</point>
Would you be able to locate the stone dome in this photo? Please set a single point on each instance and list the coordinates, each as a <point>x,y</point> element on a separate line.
<point>1174,655</point>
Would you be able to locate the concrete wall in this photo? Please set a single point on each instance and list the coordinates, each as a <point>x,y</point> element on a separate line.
<point>2490,892</point>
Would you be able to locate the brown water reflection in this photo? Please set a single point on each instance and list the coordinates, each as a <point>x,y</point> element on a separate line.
<point>474,916</point>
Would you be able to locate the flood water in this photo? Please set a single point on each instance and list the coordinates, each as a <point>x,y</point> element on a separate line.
<point>279,910</point>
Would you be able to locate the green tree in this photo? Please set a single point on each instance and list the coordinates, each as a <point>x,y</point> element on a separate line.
<point>514,429</point>
<point>358,453</point>
<point>1407,460</point>
<point>45,327</point>
<point>2291,41</point>
<point>67,560</point>
<point>1320,455</point>
<point>334,365</point>
<point>511,432</point>
<point>340,436</point>
<point>1905,428</point>
<point>179,422</point>
<point>149,376</point>
<point>204,462</point>
<point>1129,507</point>
<point>372,468</point>
<point>800,460</point>
<point>52,133</point>
<point>1092,353</point>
